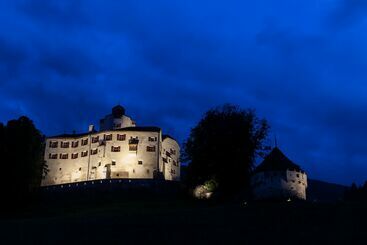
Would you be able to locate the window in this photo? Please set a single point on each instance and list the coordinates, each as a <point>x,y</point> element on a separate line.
<point>64,144</point>
<point>173,171</point>
<point>84,153</point>
<point>133,147</point>
<point>148,171</point>
<point>74,155</point>
<point>99,164</point>
<point>168,154</point>
<point>121,137</point>
<point>74,144</point>
<point>59,169</point>
<point>173,152</point>
<point>134,171</point>
<point>150,148</point>
<point>84,141</point>
<point>53,144</point>
<point>80,169</point>
<point>140,162</point>
<point>93,151</point>
<point>297,175</point>
<point>108,137</point>
<point>115,148</point>
<point>52,156</point>
<point>165,160</point>
<point>174,163</point>
<point>64,156</point>
<point>134,141</point>
<point>152,139</point>
<point>113,162</point>
<point>95,139</point>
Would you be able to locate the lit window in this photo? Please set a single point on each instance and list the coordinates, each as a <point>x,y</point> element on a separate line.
<point>74,144</point>
<point>108,137</point>
<point>64,144</point>
<point>93,151</point>
<point>52,156</point>
<point>173,152</point>
<point>150,148</point>
<point>121,137</point>
<point>84,141</point>
<point>53,144</point>
<point>133,147</point>
<point>115,148</point>
<point>152,139</point>
<point>95,139</point>
<point>64,156</point>
<point>84,153</point>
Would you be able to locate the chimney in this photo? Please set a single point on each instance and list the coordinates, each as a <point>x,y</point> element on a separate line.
<point>91,128</point>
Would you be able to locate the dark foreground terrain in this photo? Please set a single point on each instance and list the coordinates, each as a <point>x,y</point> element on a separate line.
<point>181,221</point>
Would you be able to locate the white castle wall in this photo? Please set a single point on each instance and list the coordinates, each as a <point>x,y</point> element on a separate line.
<point>279,184</point>
<point>171,159</point>
<point>107,164</point>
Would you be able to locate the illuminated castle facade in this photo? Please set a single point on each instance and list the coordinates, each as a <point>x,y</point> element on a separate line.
<point>119,150</point>
<point>277,177</point>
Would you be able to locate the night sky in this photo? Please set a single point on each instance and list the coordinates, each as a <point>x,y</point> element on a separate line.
<point>300,64</point>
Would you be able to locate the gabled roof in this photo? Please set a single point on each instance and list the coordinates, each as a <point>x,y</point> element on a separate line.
<point>277,161</point>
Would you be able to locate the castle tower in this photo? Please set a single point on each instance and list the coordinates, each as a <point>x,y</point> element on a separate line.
<point>116,120</point>
<point>277,177</point>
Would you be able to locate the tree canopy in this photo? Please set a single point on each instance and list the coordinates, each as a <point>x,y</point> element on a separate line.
<point>21,148</point>
<point>223,146</point>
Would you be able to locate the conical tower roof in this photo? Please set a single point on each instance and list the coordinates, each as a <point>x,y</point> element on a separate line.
<point>277,161</point>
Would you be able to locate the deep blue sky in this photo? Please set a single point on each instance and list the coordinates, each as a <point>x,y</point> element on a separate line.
<point>300,64</point>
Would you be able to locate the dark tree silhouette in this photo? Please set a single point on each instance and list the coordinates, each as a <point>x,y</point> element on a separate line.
<point>223,146</point>
<point>21,147</point>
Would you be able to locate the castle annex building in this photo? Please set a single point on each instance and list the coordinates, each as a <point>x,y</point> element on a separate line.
<point>119,150</point>
<point>277,177</point>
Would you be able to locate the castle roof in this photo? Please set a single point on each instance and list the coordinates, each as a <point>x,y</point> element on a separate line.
<point>277,161</point>
<point>127,129</point>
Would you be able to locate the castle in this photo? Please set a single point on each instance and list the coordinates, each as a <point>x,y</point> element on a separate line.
<point>119,150</point>
<point>277,177</point>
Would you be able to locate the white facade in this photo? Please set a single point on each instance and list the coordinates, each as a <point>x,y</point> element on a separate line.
<point>121,150</point>
<point>279,184</point>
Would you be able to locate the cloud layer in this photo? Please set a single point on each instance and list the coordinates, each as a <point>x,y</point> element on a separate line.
<point>301,64</point>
